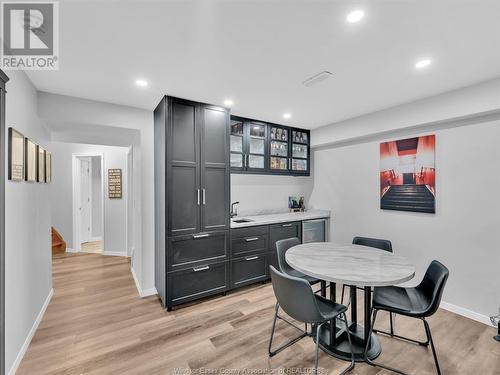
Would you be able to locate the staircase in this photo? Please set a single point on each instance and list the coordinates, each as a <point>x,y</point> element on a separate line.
<point>415,198</point>
<point>58,243</point>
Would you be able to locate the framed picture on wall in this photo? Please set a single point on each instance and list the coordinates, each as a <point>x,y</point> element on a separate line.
<point>15,155</point>
<point>48,167</point>
<point>408,174</point>
<point>30,160</point>
<point>40,176</point>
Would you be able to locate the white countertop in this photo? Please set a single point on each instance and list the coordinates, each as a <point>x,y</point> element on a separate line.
<point>275,218</point>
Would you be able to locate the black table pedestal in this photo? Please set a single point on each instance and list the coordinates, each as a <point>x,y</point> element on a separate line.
<point>340,346</point>
<point>333,337</point>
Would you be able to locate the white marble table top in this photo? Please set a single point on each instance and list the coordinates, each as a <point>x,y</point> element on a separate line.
<point>350,264</point>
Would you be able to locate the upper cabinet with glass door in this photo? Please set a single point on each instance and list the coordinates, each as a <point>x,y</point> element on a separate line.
<point>300,152</point>
<point>258,147</point>
<point>248,145</point>
<point>279,142</point>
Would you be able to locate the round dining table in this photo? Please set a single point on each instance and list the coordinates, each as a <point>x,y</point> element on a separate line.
<point>354,266</point>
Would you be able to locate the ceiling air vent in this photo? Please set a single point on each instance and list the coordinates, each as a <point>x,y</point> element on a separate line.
<point>317,78</point>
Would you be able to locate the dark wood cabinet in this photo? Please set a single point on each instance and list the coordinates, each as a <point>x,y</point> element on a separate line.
<point>266,148</point>
<point>192,193</point>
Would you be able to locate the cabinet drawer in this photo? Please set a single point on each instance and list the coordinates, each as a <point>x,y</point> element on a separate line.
<point>258,243</point>
<point>188,250</point>
<point>250,231</point>
<point>248,270</point>
<point>285,230</point>
<point>196,282</point>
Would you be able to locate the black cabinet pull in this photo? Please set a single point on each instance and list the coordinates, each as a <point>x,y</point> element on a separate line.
<point>252,258</point>
<point>251,239</point>
<point>286,225</point>
<point>203,235</point>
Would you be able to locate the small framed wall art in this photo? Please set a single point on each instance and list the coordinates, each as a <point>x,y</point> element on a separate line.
<point>16,155</point>
<point>114,183</point>
<point>30,160</point>
<point>40,164</point>
<point>48,167</point>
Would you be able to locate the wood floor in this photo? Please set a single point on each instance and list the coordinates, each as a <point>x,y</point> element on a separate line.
<point>92,247</point>
<point>97,324</point>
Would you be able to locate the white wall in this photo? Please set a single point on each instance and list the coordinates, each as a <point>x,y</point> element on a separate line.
<point>463,233</point>
<point>62,193</point>
<point>28,271</point>
<point>260,192</point>
<point>80,120</point>
<point>97,198</point>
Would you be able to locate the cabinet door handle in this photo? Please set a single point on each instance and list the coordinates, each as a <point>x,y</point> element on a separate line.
<point>204,197</point>
<point>198,196</point>
<point>252,258</point>
<point>202,235</point>
<point>248,161</point>
<point>251,239</point>
<point>202,268</point>
<point>286,225</point>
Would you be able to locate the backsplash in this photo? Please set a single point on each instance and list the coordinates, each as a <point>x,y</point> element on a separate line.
<point>260,194</point>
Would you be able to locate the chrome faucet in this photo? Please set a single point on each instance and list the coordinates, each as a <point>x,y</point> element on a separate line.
<point>234,211</point>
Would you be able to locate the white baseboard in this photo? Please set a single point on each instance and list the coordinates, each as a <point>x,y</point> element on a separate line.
<point>31,333</point>
<point>114,254</point>
<point>95,239</point>
<point>70,250</point>
<point>466,313</point>
<point>145,292</point>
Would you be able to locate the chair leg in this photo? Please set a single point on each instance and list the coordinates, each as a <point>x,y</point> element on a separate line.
<point>368,360</point>
<point>391,316</point>
<point>429,337</point>
<point>318,330</point>
<point>351,366</point>
<point>393,335</point>
<point>343,290</point>
<point>291,342</point>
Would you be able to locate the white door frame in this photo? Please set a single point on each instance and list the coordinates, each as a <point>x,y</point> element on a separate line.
<point>76,196</point>
<point>88,160</point>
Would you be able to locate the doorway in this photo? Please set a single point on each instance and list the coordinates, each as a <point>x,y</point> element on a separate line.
<point>88,207</point>
<point>408,179</point>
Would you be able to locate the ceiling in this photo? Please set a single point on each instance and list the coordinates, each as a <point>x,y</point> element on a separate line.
<point>258,53</point>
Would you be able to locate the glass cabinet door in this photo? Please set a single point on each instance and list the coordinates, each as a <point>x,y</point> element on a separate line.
<point>237,152</point>
<point>256,145</point>
<point>278,148</point>
<point>300,151</point>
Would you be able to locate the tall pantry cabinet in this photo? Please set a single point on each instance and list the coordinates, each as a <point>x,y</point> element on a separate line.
<point>192,193</point>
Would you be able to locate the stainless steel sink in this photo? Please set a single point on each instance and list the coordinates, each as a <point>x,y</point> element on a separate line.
<point>241,220</point>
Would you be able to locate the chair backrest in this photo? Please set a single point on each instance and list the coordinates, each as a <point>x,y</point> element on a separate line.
<point>282,247</point>
<point>373,242</point>
<point>295,297</point>
<point>432,285</point>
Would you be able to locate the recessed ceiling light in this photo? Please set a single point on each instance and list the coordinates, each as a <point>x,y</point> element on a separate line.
<point>141,83</point>
<point>228,102</point>
<point>423,63</point>
<point>287,115</point>
<point>355,16</point>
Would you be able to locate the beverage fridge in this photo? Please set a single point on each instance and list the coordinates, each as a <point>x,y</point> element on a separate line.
<point>315,230</point>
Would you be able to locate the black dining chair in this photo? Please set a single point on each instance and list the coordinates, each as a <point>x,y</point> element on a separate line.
<point>418,302</point>
<point>378,244</point>
<point>295,296</point>
<point>282,246</point>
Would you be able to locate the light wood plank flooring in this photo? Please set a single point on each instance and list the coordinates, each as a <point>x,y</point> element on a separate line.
<point>94,247</point>
<point>97,324</point>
